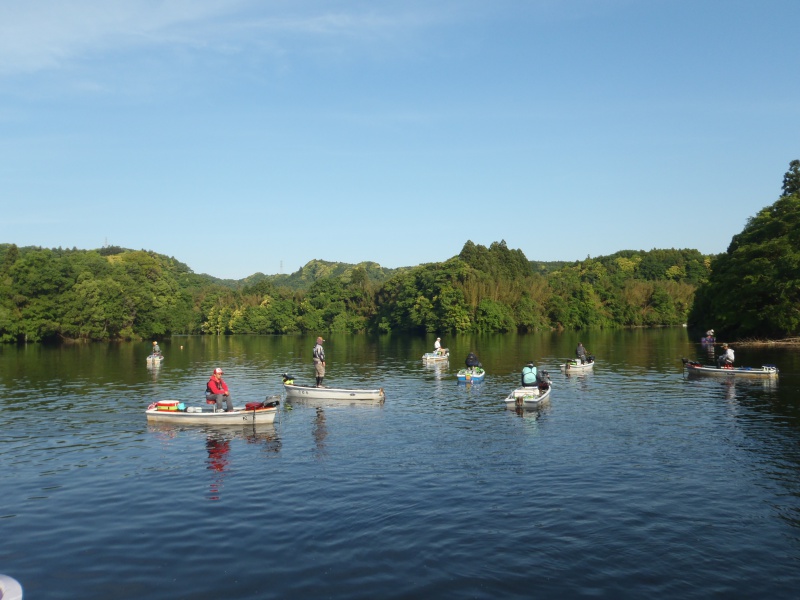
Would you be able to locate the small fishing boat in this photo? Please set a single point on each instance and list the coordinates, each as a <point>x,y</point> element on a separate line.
<point>174,411</point>
<point>471,374</point>
<point>726,371</point>
<point>528,397</point>
<point>575,365</point>
<point>155,359</point>
<point>435,356</point>
<point>312,392</point>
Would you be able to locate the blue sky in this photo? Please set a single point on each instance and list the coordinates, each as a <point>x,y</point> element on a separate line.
<point>244,136</point>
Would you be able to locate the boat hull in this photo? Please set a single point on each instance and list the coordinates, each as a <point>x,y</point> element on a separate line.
<point>239,416</point>
<point>327,393</point>
<point>471,375</point>
<point>576,366</point>
<point>433,357</point>
<point>10,588</point>
<point>528,397</point>
<point>763,371</point>
<point>154,359</point>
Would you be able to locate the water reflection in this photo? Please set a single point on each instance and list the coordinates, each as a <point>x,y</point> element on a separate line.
<point>320,432</point>
<point>218,445</point>
<point>154,369</point>
<point>439,369</point>
<point>531,416</point>
<point>471,387</point>
<point>265,435</point>
<point>579,380</point>
<point>332,403</point>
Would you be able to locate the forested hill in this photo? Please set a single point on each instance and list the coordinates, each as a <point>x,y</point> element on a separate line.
<point>115,293</point>
<point>314,270</point>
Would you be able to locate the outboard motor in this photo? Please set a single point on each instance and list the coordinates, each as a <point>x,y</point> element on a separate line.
<point>271,401</point>
<point>543,378</point>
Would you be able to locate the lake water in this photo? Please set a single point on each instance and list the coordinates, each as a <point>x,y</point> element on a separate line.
<point>635,481</point>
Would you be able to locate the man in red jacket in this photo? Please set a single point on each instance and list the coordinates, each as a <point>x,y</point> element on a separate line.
<point>217,389</point>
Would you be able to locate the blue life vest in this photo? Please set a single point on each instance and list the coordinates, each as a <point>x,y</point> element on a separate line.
<point>529,376</point>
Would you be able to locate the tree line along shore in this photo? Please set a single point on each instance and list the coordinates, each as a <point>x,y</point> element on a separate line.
<point>122,294</point>
<point>749,294</point>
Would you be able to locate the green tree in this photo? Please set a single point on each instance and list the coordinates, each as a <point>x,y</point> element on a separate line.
<point>754,288</point>
<point>791,180</point>
<point>95,309</point>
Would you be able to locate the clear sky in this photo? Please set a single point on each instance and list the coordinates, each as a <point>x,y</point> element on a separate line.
<point>244,136</point>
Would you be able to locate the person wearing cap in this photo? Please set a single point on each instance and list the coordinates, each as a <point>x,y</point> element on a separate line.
<point>156,349</point>
<point>726,358</point>
<point>437,347</point>
<point>217,390</point>
<point>319,361</point>
<point>529,375</point>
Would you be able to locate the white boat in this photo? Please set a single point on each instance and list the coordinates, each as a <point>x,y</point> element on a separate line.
<point>174,411</point>
<point>155,359</point>
<point>762,371</point>
<point>10,589</point>
<point>329,393</point>
<point>528,397</point>
<point>436,356</point>
<point>575,365</point>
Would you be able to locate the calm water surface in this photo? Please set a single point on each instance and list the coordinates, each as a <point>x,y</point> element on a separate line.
<point>635,482</point>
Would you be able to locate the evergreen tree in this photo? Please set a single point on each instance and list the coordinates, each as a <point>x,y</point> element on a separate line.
<point>791,180</point>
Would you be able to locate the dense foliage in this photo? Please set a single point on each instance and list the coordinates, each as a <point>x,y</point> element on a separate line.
<point>113,293</point>
<point>754,288</point>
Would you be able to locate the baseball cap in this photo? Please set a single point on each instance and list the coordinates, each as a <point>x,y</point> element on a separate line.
<point>217,370</point>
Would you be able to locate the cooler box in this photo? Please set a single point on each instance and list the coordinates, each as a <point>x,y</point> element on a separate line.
<point>167,405</point>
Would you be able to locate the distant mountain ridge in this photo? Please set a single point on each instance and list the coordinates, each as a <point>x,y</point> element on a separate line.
<point>316,269</point>
<point>303,278</point>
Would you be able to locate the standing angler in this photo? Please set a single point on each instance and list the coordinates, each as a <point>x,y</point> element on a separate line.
<point>319,361</point>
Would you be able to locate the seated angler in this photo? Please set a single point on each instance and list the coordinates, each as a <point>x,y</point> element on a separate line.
<point>529,374</point>
<point>472,361</point>
<point>217,391</point>
<point>726,358</point>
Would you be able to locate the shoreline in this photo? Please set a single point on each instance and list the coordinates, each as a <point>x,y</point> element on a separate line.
<point>793,341</point>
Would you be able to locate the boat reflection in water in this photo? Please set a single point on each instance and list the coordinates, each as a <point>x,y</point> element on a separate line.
<point>154,369</point>
<point>320,432</point>
<point>439,368</point>
<point>220,445</point>
<point>532,417</point>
